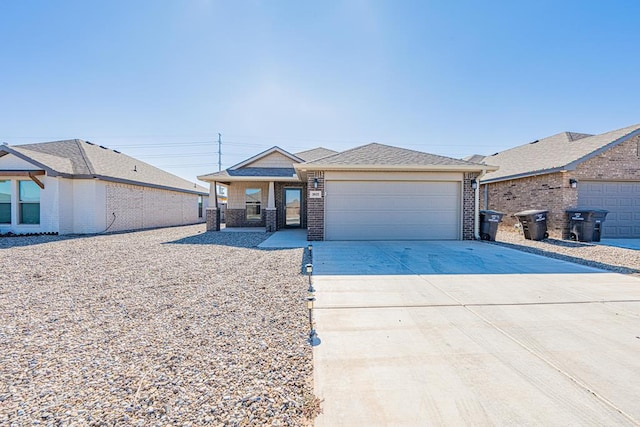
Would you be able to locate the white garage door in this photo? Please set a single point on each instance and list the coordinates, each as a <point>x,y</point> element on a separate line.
<point>621,199</point>
<point>392,210</point>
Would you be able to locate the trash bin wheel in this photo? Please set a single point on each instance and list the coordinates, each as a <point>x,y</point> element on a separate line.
<point>485,236</point>
<point>546,235</point>
<point>573,236</point>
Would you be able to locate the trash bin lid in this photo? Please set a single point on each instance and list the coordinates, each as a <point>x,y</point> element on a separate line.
<point>490,212</point>
<point>530,212</point>
<point>587,210</point>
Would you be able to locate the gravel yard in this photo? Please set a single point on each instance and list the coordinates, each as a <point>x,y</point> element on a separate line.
<point>620,260</point>
<point>171,326</point>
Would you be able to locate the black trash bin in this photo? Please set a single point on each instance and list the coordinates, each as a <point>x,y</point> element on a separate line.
<point>534,224</point>
<point>489,221</point>
<point>585,224</point>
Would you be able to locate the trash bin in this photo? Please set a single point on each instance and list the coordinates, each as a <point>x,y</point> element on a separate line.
<point>585,224</point>
<point>489,221</point>
<point>534,224</point>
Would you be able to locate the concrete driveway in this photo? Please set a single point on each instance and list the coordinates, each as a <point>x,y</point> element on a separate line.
<point>451,333</point>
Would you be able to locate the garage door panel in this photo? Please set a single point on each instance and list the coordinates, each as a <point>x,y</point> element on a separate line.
<point>621,199</point>
<point>372,210</point>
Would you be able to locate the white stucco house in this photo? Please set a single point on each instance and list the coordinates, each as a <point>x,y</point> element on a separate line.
<point>76,187</point>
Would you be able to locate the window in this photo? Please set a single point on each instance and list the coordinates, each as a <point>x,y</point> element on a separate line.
<point>199,206</point>
<point>253,197</point>
<point>29,202</point>
<point>5,202</point>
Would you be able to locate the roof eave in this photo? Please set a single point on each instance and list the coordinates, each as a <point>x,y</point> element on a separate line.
<point>50,172</point>
<point>525,175</point>
<point>395,168</point>
<point>292,178</point>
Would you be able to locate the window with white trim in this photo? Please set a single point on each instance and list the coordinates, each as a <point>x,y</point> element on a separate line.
<point>5,202</point>
<point>29,199</point>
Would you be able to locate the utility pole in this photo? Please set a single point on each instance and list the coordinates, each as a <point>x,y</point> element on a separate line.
<point>219,151</point>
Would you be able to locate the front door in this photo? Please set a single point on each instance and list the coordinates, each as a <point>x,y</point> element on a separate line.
<point>292,207</point>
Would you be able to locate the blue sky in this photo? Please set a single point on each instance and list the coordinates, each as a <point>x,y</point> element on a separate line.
<point>159,79</point>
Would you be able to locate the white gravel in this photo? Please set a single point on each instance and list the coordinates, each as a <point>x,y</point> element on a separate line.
<point>621,260</point>
<point>171,326</point>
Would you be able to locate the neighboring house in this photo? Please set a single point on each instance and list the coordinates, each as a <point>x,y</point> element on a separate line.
<point>372,192</point>
<point>570,170</point>
<point>76,187</point>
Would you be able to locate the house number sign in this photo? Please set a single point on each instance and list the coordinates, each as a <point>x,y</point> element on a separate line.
<point>315,194</point>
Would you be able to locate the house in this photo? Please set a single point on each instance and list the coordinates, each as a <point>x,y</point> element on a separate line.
<point>372,192</point>
<point>570,170</point>
<point>76,187</point>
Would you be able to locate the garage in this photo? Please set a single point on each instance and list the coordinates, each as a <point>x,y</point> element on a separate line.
<point>393,210</point>
<point>621,199</point>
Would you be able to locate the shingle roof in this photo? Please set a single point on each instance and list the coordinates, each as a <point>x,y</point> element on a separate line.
<point>76,158</point>
<point>251,172</point>
<point>375,154</point>
<point>561,151</point>
<point>315,154</point>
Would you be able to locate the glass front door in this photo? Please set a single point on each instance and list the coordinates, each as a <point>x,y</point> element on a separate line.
<point>292,207</point>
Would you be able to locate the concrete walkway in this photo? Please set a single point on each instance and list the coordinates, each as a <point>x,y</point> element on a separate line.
<point>293,238</point>
<point>547,343</point>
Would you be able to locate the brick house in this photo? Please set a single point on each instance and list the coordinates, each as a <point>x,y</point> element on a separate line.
<point>570,170</point>
<point>76,187</point>
<point>372,192</point>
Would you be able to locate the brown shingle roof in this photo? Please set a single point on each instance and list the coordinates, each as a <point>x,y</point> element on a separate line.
<point>375,154</point>
<point>315,154</point>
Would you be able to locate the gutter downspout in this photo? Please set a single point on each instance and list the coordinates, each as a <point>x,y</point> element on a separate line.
<point>476,222</point>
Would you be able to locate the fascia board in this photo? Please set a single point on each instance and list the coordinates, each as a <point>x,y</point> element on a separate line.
<point>398,168</point>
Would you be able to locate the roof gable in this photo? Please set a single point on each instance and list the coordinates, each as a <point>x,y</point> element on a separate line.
<point>272,160</point>
<point>265,154</point>
<point>563,151</point>
<point>12,160</point>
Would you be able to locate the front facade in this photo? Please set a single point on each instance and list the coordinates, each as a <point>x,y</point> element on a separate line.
<point>73,187</point>
<point>600,171</point>
<point>374,192</point>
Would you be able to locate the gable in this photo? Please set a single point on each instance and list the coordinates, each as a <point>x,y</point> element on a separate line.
<point>12,162</point>
<point>272,160</point>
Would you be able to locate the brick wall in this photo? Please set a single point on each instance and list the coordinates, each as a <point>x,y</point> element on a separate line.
<point>553,191</point>
<point>315,208</point>
<point>138,207</point>
<point>468,207</point>
<point>238,218</point>
<point>538,192</point>
<point>621,162</point>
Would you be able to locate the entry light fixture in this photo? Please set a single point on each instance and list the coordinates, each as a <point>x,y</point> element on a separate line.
<point>573,183</point>
<point>474,184</point>
<point>315,182</point>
